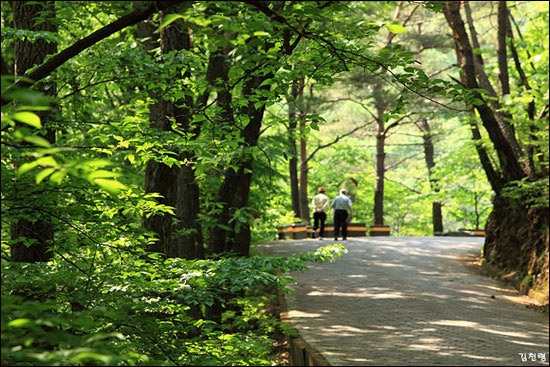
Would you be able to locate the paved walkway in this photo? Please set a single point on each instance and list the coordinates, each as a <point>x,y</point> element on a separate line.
<point>410,301</point>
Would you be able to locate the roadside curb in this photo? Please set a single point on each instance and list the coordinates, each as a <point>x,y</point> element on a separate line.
<point>301,353</point>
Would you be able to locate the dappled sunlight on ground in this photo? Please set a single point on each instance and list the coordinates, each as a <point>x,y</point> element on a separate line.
<point>375,293</point>
<point>300,314</point>
<point>478,327</point>
<point>409,301</point>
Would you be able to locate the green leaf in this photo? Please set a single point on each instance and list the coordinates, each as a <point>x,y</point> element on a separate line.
<point>103,336</point>
<point>102,174</point>
<point>28,118</point>
<point>26,167</point>
<point>44,161</point>
<point>111,186</point>
<point>58,176</point>
<point>47,161</point>
<point>396,28</point>
<point>261,33</point>
<point>97,163</point>
<point>34,108</point>
<point>169,19</point>
<point>37,140</point>
<point>477,102</point>
<point>43,174</point>
<point>21,323</point>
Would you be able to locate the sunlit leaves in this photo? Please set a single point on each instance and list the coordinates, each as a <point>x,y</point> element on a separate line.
<point>20,323</point>
<point>28,118</point>
<point>111,186</point>
<point>141,299</point>
<point>40,176</point>
<point>396,28</point>
<point>170,18</point>
<point>85,168</point>
<point>108,99</point>
<point>44,161</point>
<point>36,140</point>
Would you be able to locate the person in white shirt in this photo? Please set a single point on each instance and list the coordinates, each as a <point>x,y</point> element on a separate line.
<point>341,204</point>
<point>319,204</point>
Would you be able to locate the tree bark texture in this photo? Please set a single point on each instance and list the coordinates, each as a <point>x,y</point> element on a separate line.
<point>517,240</point>
<point>502,118</point>
<point>293,161</point>
<point>27,55</point>
<point>437,217</point>
<point>234,191</point>
<point>379,168</point>
<point>179,235</point>
<point>494,177</point>
<point>503,77</point>
<point>531,148</point>
<point>304,200</point>
<point>516,235</point>
<point>235,188</point>
<point>380,159</point>
<point>502,140</point>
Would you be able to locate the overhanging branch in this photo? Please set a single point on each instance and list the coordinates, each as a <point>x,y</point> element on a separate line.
<point>52,64</point>
<point>402,184</point>
<point>401,161</point>
<point>319,147</point>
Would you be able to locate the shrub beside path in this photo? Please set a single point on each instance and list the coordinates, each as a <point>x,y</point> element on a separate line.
<point>411,301</point>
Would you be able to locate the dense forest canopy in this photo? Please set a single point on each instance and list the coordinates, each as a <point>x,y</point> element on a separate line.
<point>148,146</point>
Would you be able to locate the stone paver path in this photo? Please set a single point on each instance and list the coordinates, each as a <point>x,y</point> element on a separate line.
<point>410,301</point>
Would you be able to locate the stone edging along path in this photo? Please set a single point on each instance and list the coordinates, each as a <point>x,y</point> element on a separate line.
<point>301,353</point>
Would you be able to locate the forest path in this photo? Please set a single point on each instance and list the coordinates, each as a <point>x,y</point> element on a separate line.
<point>410,301</point>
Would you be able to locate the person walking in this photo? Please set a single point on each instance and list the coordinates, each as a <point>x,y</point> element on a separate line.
<point>341,204</point>
<point>319,203</point>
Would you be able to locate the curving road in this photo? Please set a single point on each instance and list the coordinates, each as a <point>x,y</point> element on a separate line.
<point>411,301</point>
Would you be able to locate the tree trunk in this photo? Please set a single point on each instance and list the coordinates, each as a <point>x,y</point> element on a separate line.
<point>304,201</point>
<point>233,194</point>
<point>28,54</point>
<point>517,240</point>
<point>380,159</point>
<point>503,77</point>
<point>494,177</point>
<point>501,139</point>
<point>379,168</point>
<point>531,149</point>
<point>304,204</point>
<point>437,217</point>
<point>516,235</point>
<point>476,209</point>
<point>235,189</point>
<point>179,235</point>
<point>293,161</point>
<point>501,117</point>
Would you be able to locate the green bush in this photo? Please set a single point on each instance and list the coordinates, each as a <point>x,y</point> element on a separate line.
<point>143,310</point>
